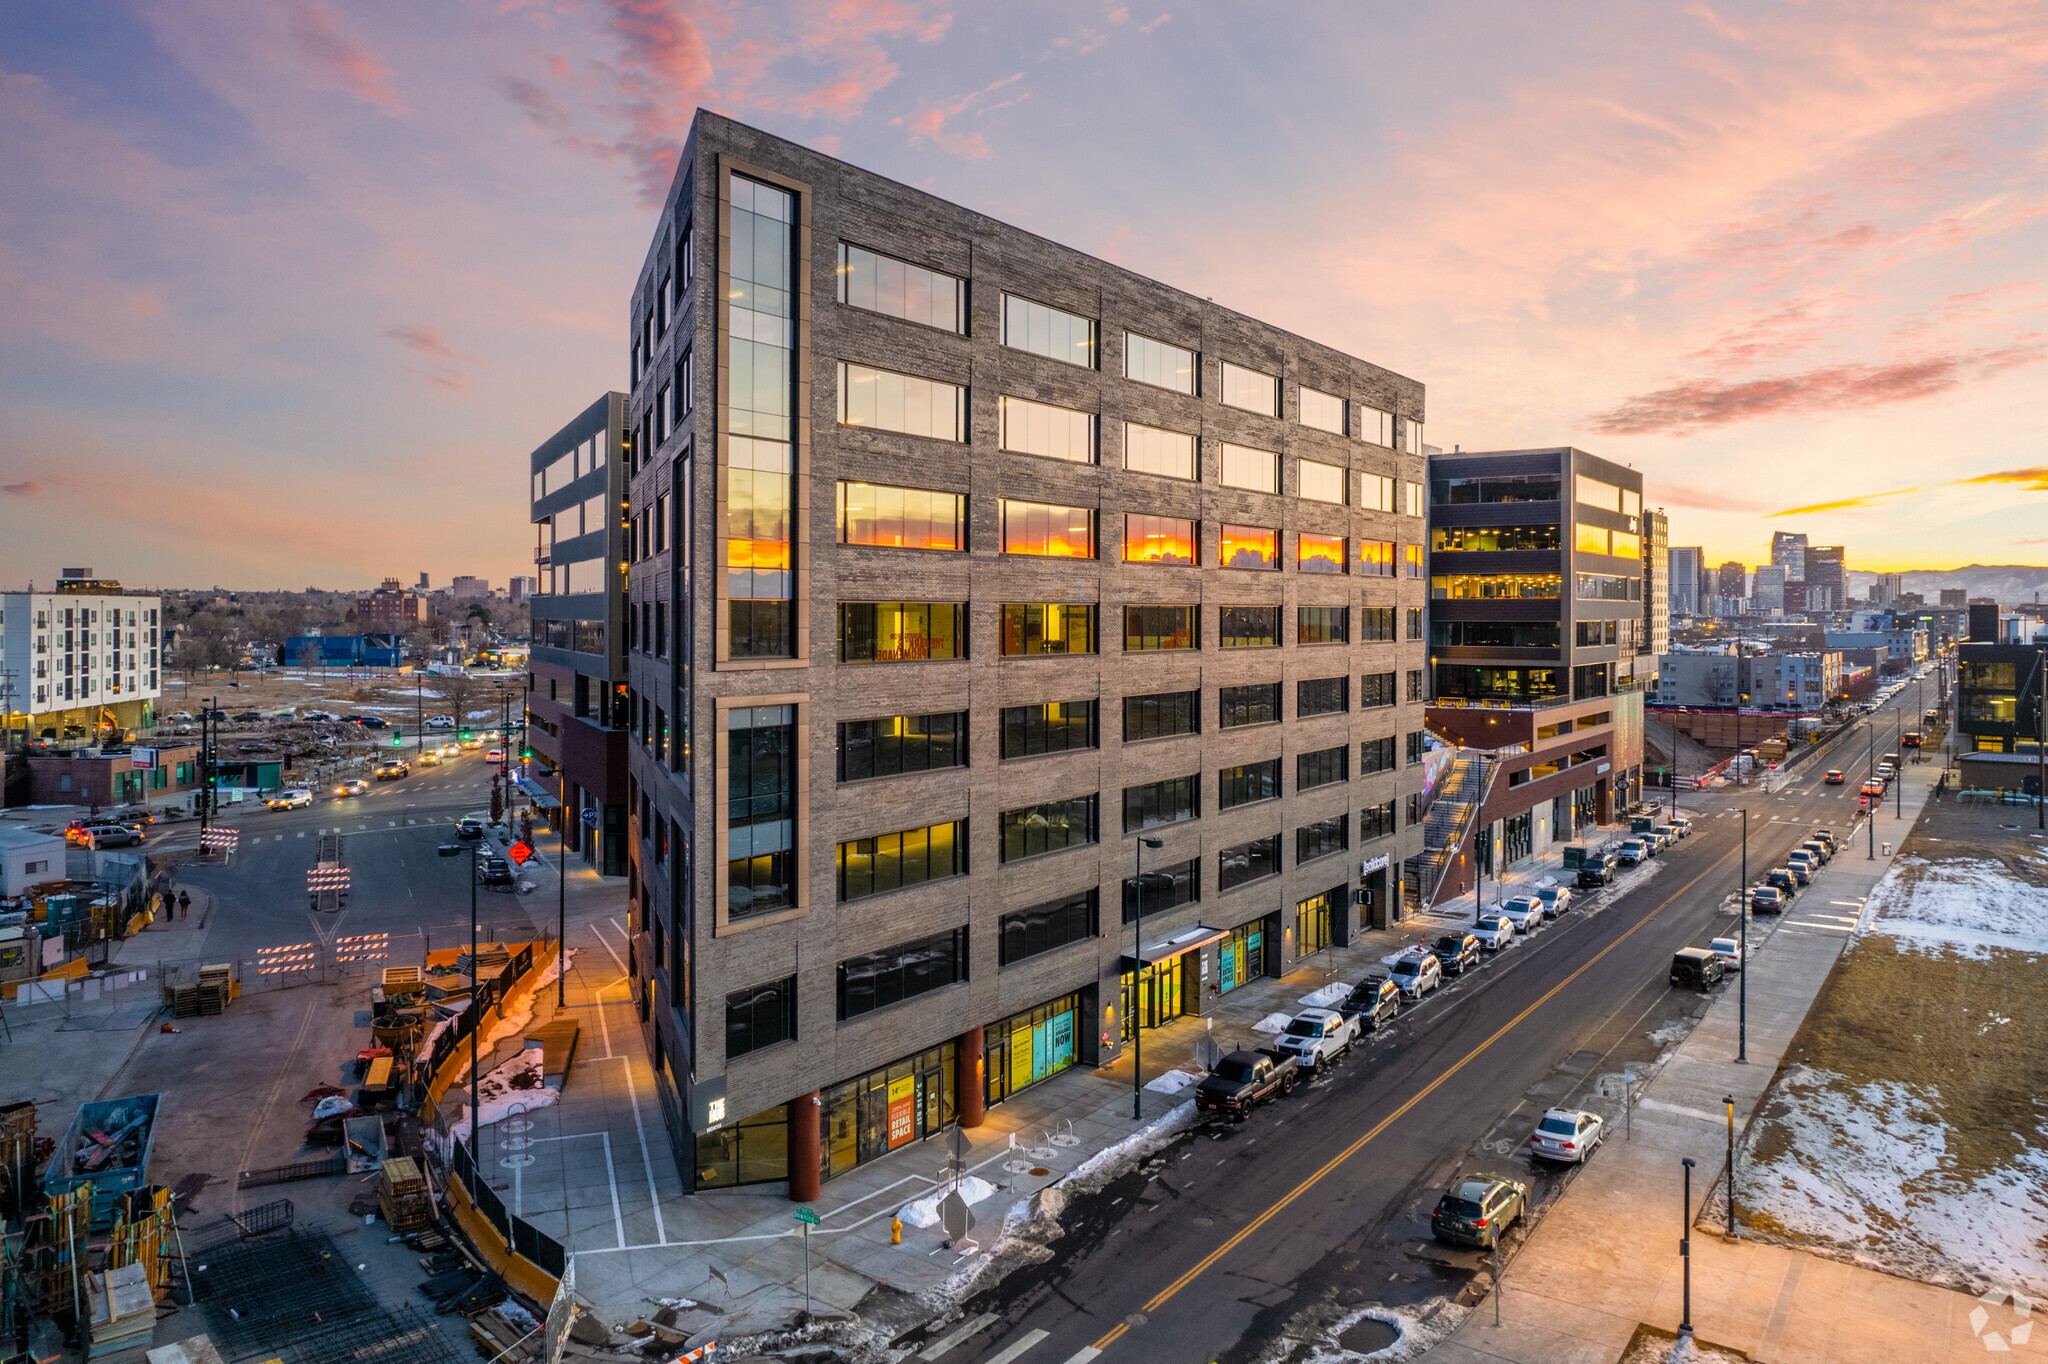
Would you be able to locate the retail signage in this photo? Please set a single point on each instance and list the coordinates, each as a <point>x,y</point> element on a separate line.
<point>1373,864</point>
<point>902,1110</point>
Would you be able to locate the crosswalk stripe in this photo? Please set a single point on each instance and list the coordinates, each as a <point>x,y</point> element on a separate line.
<point>391,823</point>
<point>945,1344</point>
<point>1084,1354</point>
<point>279,838</point>
<point>412,821</point>
<point>301,834</point>
<point>1025,1342</point>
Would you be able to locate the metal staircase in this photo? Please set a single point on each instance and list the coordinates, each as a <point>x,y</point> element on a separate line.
<point>1453,814</point>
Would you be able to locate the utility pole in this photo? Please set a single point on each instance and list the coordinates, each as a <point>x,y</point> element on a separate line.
<point>2041,744</point>
<point>1137,970</point>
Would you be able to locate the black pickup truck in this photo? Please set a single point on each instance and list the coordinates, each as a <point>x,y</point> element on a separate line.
<point>1245,1079</point>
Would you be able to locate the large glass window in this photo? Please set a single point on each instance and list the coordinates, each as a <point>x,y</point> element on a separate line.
<point>1322,411</point>
<point>1320,553</point>
<point>1322,838</point>
<point>758,560</point>
<point>1031,628</point>
<point>1158,539</point>
<point>1150,450</point>
<point>760,467</point>
<point>887,401</point>
<point>1589,539</point>
<point>1250,390</point>
<point>1048,331</point>
<point>905,518</point>
<point>1315,696</point>
<point>1497,488</point>
<point>1049,531</point>
<point>1054,727</point>
<point>1375,492</point>
<point>760,1017</point>
<point>1320,482</point>
<point>1476,681</point>
<point>902,631</point>
<point>1494,586</point>
<point>1257,704</point>
<point>1467,539</point>
<point>1043,928</point>
<point>1496,634</point>
<point>1049,827</point>
<point>1162,802</point>
<point>1042,429</point>
<point>1376,821</point>
<point>1322,624</point>
<point>1250,627</point>
<point>1248,862</point>
<point>1376,558</point>
<point>883,284</point>
<point>1244,467</point>
<point>894,744</point>
<point>1606,587</point>
<point>760,809</point>
<point>1247,784</point>
<point>876,980</point>
<point>1161,889</point>
<point>1377,428</point>
<point>909,857</point>
<point>1591,492</point>
<point>1376,755</point>
<point>1248,547</point>
<point>1321,767</point>
<point>1162,627</point>
<point>1155,362</point>
<point>1375,689</point>
<point>1162,715</point>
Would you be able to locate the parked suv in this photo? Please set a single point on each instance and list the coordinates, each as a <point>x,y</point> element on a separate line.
<point>1375,1001</point>
<point>1596,871</point>
<point>1494,932</point>
<point>1555,900</point>
<point>1478,1209</point>
<point>1784,879</point>
<point>1415,974</point>
<point>1525,912</point>
<point>1456,953</point>
<point>1633,852</point>
<point>1696,968</point>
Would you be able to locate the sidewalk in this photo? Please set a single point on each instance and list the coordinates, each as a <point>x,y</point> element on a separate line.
<point>1604,1260</point>
<point>595,1172</point>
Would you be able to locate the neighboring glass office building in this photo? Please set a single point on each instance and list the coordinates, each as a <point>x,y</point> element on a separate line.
<point>958,561</point>
<point>575,718</point>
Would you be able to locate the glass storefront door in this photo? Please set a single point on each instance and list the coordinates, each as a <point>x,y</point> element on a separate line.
<point>1031,1046</point>
<point>1158,1001</point>
<point>1242,956</point>
<point>1312,921</point>
<point>887,1108</point>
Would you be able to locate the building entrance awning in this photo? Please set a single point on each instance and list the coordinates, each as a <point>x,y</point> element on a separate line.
<point>1187,940</point>
<point>542,799</point>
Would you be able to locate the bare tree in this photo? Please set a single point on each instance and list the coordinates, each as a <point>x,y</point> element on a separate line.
<point>456,691</point>
<point>309,656</point>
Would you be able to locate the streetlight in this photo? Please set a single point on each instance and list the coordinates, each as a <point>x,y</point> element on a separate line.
<point>1685,1251</point>
<point>1730,1101</point>
<point>1137,967</point>
<point>1742,984</point>
<point>476,1018</point>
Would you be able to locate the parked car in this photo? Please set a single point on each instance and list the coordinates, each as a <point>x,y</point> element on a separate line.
<point>1318,1037</point>
<point>1822,853</point>
<point>1525,912</point>
<point>296,798</point>
<point>1669,834</point>
<point>1872,788</point>
<point>1729,950</point>
<point>1456,952</point>
<point>1827,836</point>
<point>1567,1135</point>
<point>354,786</point>
<point>1494,931</point>
<point>1596,871</point>
<point>181,715</point>
<point>1245,1079</point>
<point>439,722</point>
<point>1802,870</point>
<point>1555,900</point>
<point>1415,973</point>
<point>1834,777</point>
<point>1478,1210</point>
<point>1784,880</point>
<point>1890,760</point>
<point>1682,825</point>
<point>1887,773</point>
<point>1633,852</point>
<point>493,871</point>
<point>1374,1001</point>
<point>1695,968</point>
<point>1766,900</point>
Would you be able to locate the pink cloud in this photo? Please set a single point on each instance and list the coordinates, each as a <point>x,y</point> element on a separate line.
<point>441,368</point>
<point>1702,499</point>
<point>25,489</point>
<point>929,123</point>
<point>320,39</point>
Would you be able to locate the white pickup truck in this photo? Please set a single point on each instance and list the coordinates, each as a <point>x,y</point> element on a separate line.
<point>1318,1037</point>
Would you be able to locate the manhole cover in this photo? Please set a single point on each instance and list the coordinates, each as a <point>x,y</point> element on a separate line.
<point>516,1162</point>
<point>1039,1171</point>
<point>1367,1334</point>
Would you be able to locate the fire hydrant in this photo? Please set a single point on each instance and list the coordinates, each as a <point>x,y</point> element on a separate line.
<point>895,1231</point>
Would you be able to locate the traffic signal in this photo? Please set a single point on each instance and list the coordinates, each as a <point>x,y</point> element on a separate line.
<point>397,739</point>
<point>465,736</point>
<point>526,755</point>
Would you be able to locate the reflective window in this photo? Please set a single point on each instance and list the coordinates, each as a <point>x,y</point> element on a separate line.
<point>1164,888</point>
<point>1591,492</point>
<point>1494,586</point>
<point>1497,488</point>
<point>902,631</point>
<point>1162,715</point>
<point>1029,932</point>
<point>870,866</point>
<point>1315,696</point>
<point>1244,467</point>
<point>1041,429</point>
<point>1046,530</point>
<point>1048,331</point>
<point>1322,624</point>
<point>1375,623</point>
<point>1321,838</point>
<point>895,744</point>
<point>1158,539</point>
<point>887,401</point>
<point>1322,411</point>
<point>1376,427</point>
<point>1054,727</point>
<point>883,284</point>
<point>1376,558</point>
<point>1377,755</point>
<point>1149,450</point>
<point>760,796</point>
<point>1627,546</point>
<point>1413,504</point>
<point>1248,862</point>
<point>1162,802</point>
<point>760,1017</point>
<point>1250,627</point>
<point>1479,539</point>
<point>1048,827</point>
<point>1320,553</point>
<point>876,980</point>
<point>1047,628</point>
<point>1411,436</point>
<point>1376,689</point>
<point>1320,482</point>
<point>1320,768</point>
<point>1475,680</point>
<point>1258,704</point>
<point>1155,362</point>
<point>1252,547</point>
<point>1375,492</point>
<point>1411,559</point>
<point>1250,390</point>
<point>1162,627</point>
<point>905,518</point>
<point>1605,587</point>
<point>1248,784</point>
<point>1589,539</point>
<point>760,465</point>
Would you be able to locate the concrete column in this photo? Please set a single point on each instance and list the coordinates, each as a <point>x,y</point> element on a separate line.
<point>805,1114</point>
<point>970,1051</point>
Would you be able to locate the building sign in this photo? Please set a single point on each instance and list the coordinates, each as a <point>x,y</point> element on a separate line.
<point>139,758</point>
<point>902,1110</point>
<point>1373,864</point>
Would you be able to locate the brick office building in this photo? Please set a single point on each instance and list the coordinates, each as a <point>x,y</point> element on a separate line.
<point>961,560</point>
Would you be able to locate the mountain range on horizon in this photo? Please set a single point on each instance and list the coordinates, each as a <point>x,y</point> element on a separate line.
<point>2007,583</point>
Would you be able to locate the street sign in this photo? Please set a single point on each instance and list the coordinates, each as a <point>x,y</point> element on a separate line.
<point>806,1216</point>
<point>956,1216</point>
<point>590,817</point>
<point>519,852</point>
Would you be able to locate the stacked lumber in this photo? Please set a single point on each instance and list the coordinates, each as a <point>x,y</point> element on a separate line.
<point>123,1315</point>
<point>402,1195</point>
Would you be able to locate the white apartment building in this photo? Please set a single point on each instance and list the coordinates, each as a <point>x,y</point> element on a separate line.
<point>79,656</point>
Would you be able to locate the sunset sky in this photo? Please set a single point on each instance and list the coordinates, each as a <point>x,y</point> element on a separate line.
<point>288,289</point>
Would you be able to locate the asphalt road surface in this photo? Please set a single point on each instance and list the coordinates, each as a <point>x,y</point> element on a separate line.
<point>1234,1238</point>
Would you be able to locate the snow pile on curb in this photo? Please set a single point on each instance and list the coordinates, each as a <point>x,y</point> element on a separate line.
<point>1172,1082</point>
<point>500,1095</point>
<point>1420,1329</point>
<point>925,1211</point>
<point>1273,1023</point>
<point>1329,997</point>
<point>1969,906</point>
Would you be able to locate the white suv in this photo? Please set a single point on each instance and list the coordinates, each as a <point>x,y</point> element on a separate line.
<point>1415,973</point>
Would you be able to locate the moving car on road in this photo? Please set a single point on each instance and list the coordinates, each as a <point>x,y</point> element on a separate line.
<point>430,758</point>
<point>1567,1135</point>
<point>354,786</point>
<point>439,722</point>
<point>391,769</point>
<point>472,826</point>
<point>97,836</point>
<point>1317,1037</point>
<point>296,798</point>
<point>1834,777</point>
<point>1478,1210</point>
<point>1245,1079</point>
<point>496,755</point>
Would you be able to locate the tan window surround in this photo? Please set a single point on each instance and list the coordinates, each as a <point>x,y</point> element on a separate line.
<point>722,922</point>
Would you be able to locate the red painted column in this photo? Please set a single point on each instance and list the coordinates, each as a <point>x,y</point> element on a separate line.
<point>805,1118</point>
<point>970,1087</point>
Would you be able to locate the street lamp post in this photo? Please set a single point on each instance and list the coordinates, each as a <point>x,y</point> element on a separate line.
<point>1685,1252</point>
<point>1742,984</point>
<point>562,915</point>
<point>1137,966</point>
<point>476,1017</point>
<point>1730,1101</point>
<point>1898,775</point>
<point>1869,772</point>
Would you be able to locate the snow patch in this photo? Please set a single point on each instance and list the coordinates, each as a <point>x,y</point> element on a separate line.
<point>1420,1329</point>
<point>1329,997</point>
<point>514,1087</point>
<point>1274,1023</point>
<point>1971,906</point>
<point>1172,1082</point>
<point>925,1211</point>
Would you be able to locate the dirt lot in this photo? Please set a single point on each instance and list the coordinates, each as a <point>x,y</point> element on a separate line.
<point>1906,1127</point>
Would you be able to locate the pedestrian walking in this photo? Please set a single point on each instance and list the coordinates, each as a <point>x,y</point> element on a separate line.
<point>184,903</point>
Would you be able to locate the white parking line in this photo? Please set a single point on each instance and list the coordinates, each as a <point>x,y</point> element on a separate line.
<point>1029,1339</point>
<point>1084,1354</point>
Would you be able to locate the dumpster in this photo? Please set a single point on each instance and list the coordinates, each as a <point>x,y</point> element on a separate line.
<point>107,1146</point>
